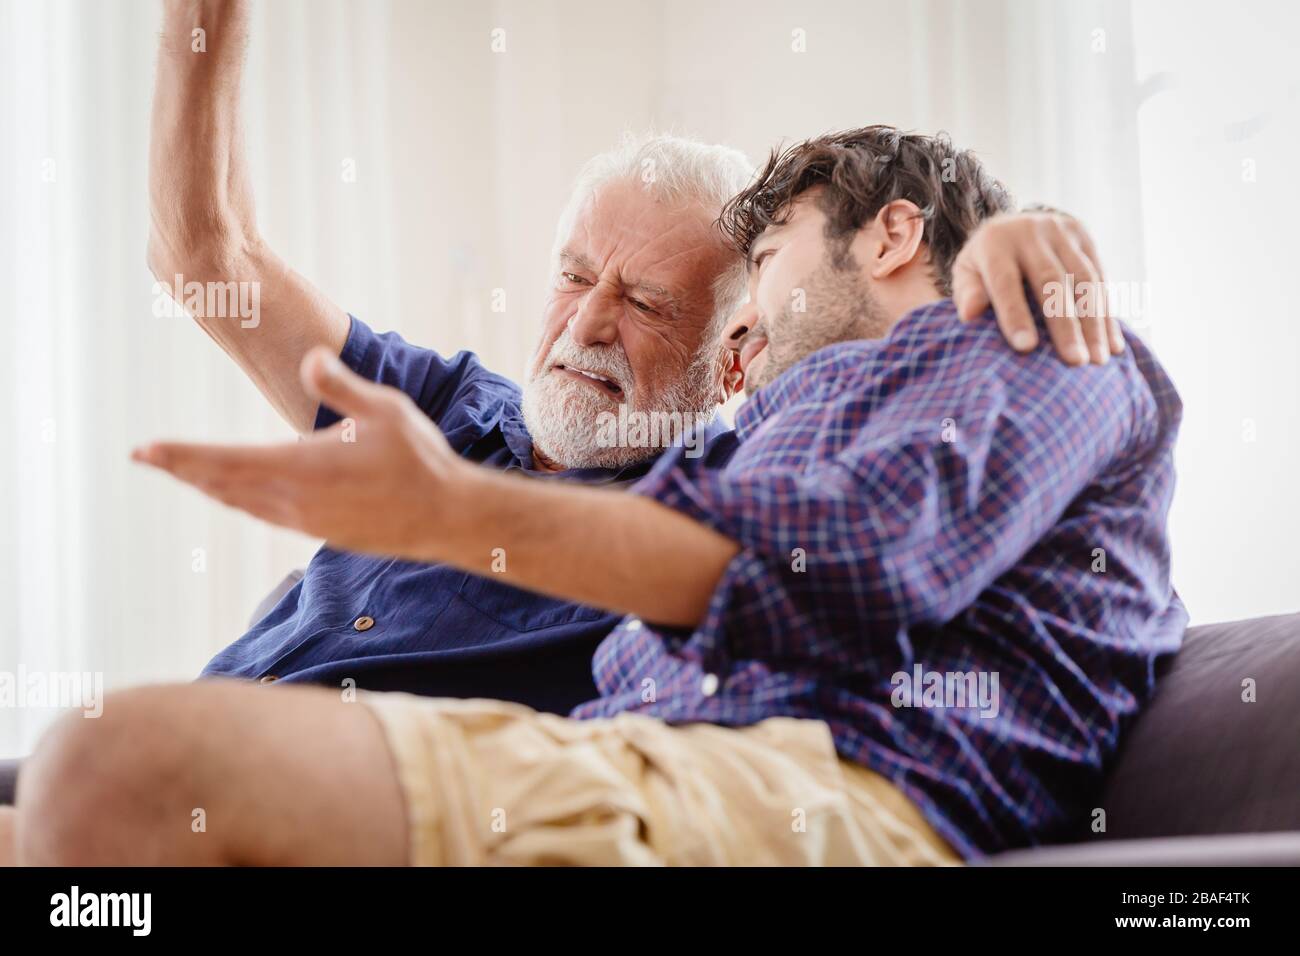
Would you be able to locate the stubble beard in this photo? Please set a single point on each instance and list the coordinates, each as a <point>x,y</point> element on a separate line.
<point>839,307</point>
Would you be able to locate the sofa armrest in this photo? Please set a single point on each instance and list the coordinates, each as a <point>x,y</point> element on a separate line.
<point>269,602</point>
<point>8,781</point>
<point>1237,849</point>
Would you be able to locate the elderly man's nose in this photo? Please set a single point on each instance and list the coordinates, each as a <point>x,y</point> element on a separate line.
<point>595,322</point>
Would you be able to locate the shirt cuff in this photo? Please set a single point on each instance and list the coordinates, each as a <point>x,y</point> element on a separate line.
<point>353,355</point>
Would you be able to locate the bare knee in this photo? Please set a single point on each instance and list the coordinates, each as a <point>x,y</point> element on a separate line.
<point>8,821</point>
<point>214,772</point>
<point>111,789</point>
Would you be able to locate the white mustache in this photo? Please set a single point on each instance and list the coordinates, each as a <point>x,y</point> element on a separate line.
<point>610,362</point>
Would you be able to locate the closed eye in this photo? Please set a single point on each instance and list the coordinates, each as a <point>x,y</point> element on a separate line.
<point>642,306</point>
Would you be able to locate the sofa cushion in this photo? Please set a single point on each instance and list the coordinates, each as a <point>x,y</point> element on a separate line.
<point>1201,759</point>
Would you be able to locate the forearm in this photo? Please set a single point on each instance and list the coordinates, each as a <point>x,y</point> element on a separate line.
<point>201,206</point>
<point>203,225</point>
<point>595,546</point>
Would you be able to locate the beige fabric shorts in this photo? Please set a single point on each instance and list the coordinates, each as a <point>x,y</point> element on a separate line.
<point>491,783</point>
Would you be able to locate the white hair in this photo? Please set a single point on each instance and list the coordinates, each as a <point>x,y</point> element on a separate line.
<point>673,169</point>
<point>562,417</point>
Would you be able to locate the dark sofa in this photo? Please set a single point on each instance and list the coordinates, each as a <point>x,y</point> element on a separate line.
<point>1204,777</point>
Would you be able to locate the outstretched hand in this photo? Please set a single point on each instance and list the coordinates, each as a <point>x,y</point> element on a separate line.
<point>378,481</point>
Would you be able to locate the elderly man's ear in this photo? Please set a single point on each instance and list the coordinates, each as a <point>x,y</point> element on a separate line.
<point>733,379</point>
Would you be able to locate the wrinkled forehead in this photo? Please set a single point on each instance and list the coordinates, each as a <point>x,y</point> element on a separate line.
<point>624,229</point>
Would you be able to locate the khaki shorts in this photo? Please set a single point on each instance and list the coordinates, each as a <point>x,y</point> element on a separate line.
<point>491,783</point>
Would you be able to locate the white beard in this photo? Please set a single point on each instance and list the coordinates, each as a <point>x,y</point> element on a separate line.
<point>563,415</point>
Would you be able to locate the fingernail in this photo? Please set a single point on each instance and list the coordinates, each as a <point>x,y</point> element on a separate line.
<point>1023,340</point>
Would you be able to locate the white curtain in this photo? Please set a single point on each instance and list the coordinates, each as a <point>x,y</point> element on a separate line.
<point>410,157</point>
<point>105,569</point>
<point>1220,135</point>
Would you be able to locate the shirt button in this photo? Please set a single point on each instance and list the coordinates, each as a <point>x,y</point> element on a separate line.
<point>364,623</point>
<point>268,679</point>
<point>634,624</point>
<point>709,686</point>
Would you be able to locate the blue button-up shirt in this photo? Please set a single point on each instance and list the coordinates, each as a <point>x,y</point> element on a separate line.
<point>932,505</point>
<point>436,630</point>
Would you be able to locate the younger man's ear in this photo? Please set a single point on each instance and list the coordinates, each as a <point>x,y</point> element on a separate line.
<point>893,239</point>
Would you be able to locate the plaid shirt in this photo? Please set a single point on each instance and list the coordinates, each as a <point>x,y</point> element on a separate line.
<point>931,504</point>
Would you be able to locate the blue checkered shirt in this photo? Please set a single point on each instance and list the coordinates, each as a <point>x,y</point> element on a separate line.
<point>932,504</point>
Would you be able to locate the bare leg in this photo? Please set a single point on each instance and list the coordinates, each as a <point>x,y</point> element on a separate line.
<point>217,772</point>
<point>8,820</point>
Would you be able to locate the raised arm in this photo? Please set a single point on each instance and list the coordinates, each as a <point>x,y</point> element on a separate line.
<point>202,221</point>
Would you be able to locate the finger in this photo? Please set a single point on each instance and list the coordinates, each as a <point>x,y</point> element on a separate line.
<point>968,291</point>
<point>1114,334</point>
<point>190,462</point>
<point>1114,331</point>
<point>1006,290</point>
<point>1054,286</point>
<point>1089,298</point>
<point>332,383</point>
<point>269,503</point>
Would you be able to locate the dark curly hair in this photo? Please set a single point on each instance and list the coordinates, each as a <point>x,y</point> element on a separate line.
<point>863,170</point>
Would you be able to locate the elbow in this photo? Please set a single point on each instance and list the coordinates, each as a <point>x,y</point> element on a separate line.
<point>161,259</point>
<point>194,231</point>
<point>199,254</point>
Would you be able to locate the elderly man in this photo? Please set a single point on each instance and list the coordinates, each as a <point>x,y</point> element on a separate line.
<point>927,500</point>
<point>642,286</point>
